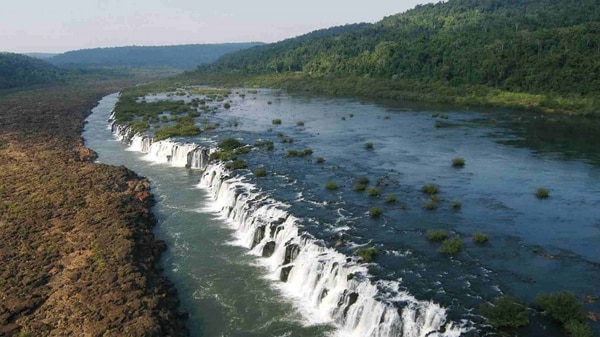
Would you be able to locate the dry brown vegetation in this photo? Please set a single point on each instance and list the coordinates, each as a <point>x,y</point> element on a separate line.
<point>77,253</point>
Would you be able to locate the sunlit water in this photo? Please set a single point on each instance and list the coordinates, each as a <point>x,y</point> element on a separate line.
<point>535,245</point>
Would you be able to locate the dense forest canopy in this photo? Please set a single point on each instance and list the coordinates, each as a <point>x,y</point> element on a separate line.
<point>19,70</point>
<point>180,56</point>
<point>550,46</point>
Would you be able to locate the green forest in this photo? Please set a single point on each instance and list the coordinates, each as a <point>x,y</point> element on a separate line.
<point>19,70</point>
<point>453,48</point>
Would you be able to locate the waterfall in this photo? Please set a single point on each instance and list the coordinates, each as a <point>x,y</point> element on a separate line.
<point>329,286</point>
<point>327,283</point>
<point>166,151</point>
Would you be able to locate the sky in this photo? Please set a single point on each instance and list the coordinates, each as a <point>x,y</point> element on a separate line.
<point>56,26</point>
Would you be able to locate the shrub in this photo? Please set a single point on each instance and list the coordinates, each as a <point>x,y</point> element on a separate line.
<point>307,152</point>
<point>331,185</point>
<point>456,204</point>
<point>227,105</point>
<point>239,164</point>
<point>359,187</point>
<point>563,306</point>
<point>363,180</point>
<point>267,144</point>
<point>292,153</point>
<point>458,162</point>
<point>542,193</point>
<point>437,235</point>
<point>229,144</point>
<point>373,192</point>
<point>260,172</point>
<point>578,329</point>
<point>430,189</point>
<point>320,160</point>
<point>387,117</point>
<point>430,205</point>
<point>300,123</point>
<point>351,115</point>
<point>269,102</point>
<point>390,198</point>
<point>505,311</point>
<point>451,246</point>
<point>480,237</point>
<point>343,118</point>
<point>366,254</point>
<point>368,145</point>
<point>276,121</point>
<point>375,212</point>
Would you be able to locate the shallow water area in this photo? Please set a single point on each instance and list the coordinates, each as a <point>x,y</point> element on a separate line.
<point>535,245</point>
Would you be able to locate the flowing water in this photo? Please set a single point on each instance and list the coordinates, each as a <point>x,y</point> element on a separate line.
<point>274,255</point>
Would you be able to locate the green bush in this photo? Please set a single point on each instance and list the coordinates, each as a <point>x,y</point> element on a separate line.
<point>368,145</point>
<point>390,198</point>
<point>239,164</point>
<point>480,237</point>
<point>505,311</point>
<point>430,205</point>
<point>458,162</point>
<point>437,235</point>
<point>375,212</point>
<point>563,306</point>
<point>320,160</point>
<point>359,187</point>
<point>276,121</point>
<point>300,123</point>
<point>456,204</point>
<point>366,254</point>
<point>229,144</point>
<point>227,105</point>
<point>267,144</point>
<point>542,193</point>
<point>363,180</point>
<point>430,189</point>
<point>451,246</point>
<point>260,172</point>
<point>578,329</point>
<point>373,192</point>
<point>331,185</point>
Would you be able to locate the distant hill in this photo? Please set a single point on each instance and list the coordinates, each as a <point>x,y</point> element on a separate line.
<point>534,46</point>
<point>41,56</point>
<point>18,70</point>
<point>181,56</point>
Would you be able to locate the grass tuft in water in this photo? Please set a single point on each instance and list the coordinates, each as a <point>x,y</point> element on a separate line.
<point>430,189</point>
<point>331,185</point>
<point>505,312</point>
<point>480,238</point>
<point>451,246</point>
<point>366,254</point>
<point>437,235</point>
<point>458,162</point>
<point>375,212</point>
<point>542,193</point>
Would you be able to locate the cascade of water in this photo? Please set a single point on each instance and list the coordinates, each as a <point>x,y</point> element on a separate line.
<point>177,154</point>
<point>329,286</point>
<point>327,283</point>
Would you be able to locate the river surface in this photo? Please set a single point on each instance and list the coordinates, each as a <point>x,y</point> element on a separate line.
<point>535,245</point>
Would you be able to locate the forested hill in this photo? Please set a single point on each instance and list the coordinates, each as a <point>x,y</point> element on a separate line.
<point>180,56</point>
<point>535,46</point>
<point>18,70</point>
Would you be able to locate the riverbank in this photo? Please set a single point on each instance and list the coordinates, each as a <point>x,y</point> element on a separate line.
<point>401,89</point>
<point>78,252</point>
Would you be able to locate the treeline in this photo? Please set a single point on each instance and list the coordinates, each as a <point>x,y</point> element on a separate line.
<point>533,46</point>
<point>18,70</point>
<point>180,56</point>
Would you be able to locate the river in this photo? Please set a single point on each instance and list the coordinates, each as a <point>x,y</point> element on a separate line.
<point>218,224</point>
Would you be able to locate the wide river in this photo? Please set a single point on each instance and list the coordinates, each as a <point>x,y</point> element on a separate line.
<point>215,256</point>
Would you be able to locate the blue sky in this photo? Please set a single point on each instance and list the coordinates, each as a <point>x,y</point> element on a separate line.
<point>62,25</point>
